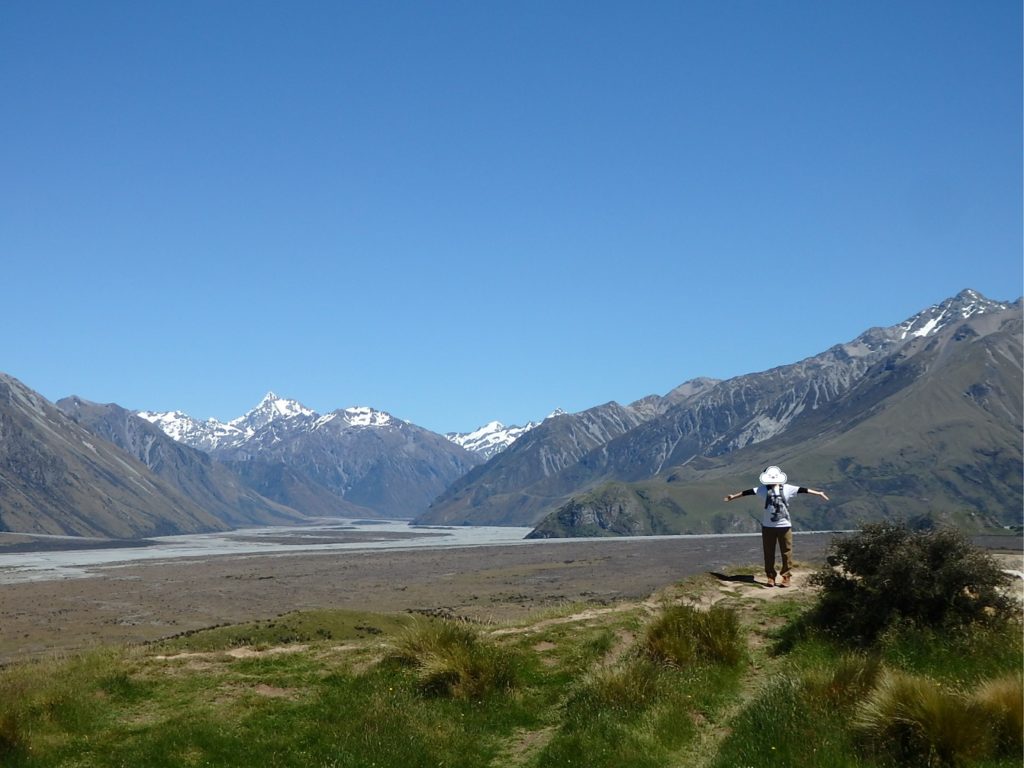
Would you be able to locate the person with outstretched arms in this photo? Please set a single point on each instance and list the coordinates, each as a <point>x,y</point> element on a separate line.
<point>776,525</point>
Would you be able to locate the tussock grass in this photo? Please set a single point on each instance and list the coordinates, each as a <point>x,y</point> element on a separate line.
<point>642,709</point>
<point>844,683</point>
<point>917,720</point>
<point>451,659</point>
<point>636,714</point>
<point>621,692</point>
<point>683,635</point>
<point>958,657</point>
<point>65,698</point>
<point>1001,703</point>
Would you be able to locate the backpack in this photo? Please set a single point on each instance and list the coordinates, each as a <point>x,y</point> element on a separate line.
<point>775,500</point>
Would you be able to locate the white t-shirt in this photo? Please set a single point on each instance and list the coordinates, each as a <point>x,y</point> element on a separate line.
<point>771,516</point>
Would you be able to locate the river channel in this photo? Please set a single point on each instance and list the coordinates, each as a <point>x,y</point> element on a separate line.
<point>84,558</point>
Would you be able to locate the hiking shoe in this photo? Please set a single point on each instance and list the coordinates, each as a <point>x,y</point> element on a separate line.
<point>785,580</point>
<point>770,583</point>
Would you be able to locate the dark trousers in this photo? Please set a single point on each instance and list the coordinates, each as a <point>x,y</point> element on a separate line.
<point>783,538</point>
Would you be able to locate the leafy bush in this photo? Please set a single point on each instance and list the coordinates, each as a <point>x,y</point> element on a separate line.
<point>451,660</point>
<point>683,635</point>
<point>888,572</point>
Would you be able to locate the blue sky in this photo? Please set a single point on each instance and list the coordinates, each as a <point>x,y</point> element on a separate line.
<point>466,211</point>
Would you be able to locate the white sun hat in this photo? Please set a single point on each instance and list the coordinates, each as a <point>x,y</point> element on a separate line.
<point>773,476</point>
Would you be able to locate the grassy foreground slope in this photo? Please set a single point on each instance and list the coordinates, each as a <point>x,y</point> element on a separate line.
<point>716,671</point>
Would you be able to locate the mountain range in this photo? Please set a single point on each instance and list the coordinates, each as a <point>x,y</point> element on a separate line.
<point>923,417</point>
<point>371,462</point>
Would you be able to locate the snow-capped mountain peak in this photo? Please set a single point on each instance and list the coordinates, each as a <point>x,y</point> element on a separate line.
<point>965,304</point>
<point>271,408</point>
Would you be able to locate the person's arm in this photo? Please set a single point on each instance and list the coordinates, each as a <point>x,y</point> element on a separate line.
<point>748,492</point>
<point>813,492</point>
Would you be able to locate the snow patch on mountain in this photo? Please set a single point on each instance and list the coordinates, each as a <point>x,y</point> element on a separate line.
<point>490,439</point>
<point>494,437</point>
<point>363,416</point>
<point>204,435</point>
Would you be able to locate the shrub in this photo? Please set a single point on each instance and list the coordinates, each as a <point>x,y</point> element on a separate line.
<point>917,721</point>
<point>683,635</point>
<point>887,572</point>
<point>451,660</point>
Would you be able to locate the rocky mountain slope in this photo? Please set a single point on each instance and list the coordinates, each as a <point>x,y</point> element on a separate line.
<point>58,478</point>
<point>683,436</point>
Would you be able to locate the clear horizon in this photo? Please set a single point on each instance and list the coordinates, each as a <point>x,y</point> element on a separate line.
<point>460,213</point>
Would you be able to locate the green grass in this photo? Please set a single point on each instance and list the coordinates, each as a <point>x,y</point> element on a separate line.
<point>634,688</point>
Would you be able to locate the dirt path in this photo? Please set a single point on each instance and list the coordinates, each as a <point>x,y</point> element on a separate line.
<point>736,590</point>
